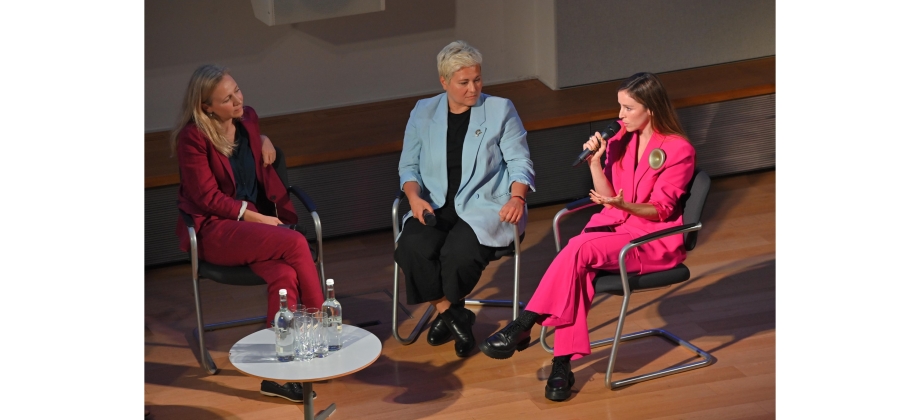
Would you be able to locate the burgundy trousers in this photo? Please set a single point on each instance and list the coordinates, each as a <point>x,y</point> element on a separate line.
<point>280,256</point>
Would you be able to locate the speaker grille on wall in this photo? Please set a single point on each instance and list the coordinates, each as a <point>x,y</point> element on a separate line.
<point>281,12</point>
<point>732,136</point>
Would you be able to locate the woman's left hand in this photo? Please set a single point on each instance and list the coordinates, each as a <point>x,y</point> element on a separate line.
<point>608,202</point>
<point>268,151</point>
<point>512,211</point>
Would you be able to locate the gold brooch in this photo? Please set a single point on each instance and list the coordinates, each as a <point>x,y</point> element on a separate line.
<point>656,158</point>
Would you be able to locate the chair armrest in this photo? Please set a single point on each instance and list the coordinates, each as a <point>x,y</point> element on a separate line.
<point>654,236</point>
<point>192,239</point>
<point>580,204</point>
<point>303,197</point>
<point>394,214</point>
<point>189,223</point>
<point>572,207</point>
<point>317,229</point>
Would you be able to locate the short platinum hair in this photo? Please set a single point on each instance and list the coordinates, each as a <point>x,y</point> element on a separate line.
<point>455,56</point>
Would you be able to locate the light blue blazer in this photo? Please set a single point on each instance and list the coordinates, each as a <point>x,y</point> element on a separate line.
<point>495,154</point>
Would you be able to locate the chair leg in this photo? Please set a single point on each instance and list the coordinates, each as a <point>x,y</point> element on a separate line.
<point>618,338</point>
<point>707,358</point>
<point>421,322</point>
<point>198,333</point>
<point>516,303</point>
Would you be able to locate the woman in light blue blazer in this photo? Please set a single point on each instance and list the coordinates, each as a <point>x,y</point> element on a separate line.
<point>465,160</point>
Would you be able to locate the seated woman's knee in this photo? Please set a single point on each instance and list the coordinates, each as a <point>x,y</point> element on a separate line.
<point>409,249</point>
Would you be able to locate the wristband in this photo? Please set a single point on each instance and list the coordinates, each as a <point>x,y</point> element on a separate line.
<point>521,197</point>
<point>242,210</point>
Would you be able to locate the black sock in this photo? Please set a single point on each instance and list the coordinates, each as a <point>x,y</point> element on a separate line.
<point>528,319</point>
<point>566,358</point>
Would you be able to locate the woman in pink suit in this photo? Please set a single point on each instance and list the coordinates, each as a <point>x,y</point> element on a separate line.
<point>647,166</point>
<point>237,200</point>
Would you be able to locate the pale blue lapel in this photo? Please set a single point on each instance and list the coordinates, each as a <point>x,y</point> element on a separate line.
<point>475,133</point>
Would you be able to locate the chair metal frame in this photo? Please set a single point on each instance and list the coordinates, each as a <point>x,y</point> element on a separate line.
<point>198,332</point>
<point>515,304</point>
<point>618,337</point>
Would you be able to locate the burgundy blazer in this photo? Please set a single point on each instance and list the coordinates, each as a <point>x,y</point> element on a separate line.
<point>207,187</point>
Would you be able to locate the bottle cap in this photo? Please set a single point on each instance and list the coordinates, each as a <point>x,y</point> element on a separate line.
<point>330,282</point>
<point>282,292</point>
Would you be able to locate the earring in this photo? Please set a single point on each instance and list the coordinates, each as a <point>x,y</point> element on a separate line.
<point>211,114</point>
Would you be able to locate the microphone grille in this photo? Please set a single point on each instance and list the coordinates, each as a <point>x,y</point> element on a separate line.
<point>609,131</point>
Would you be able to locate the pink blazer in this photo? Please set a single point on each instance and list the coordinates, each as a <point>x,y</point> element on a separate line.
<point>206,184</point>
<point>662,187</point>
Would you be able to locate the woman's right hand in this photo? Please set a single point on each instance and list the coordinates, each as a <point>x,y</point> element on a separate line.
<point>251,216</point>
<point>599,145</point>
<point>418,207</point>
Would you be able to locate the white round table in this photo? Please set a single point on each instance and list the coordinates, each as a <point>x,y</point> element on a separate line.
<point>255,355</point>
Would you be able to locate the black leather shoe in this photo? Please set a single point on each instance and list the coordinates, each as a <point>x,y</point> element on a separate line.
<point>439,332</point>
<point>560,381</point>
<point>502,344</point>
<point>460,322</point>
<point>291,391</point>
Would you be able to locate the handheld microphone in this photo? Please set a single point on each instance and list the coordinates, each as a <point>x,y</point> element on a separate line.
<point>608,132</point>
<point>430,218</point>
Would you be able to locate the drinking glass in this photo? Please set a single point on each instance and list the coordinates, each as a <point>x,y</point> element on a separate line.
<point>303,344</point>
<point>318,332</point>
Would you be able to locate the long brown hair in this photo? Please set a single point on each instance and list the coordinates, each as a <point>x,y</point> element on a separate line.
<point>648,90</point>
<point>202,84</point>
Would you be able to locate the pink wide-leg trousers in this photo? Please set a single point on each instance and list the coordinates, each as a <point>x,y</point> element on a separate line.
<point>566,290</point>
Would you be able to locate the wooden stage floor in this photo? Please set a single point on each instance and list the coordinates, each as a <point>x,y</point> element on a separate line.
<point>728,308</point>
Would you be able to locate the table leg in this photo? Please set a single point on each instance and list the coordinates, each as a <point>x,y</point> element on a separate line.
<point>308,404</point>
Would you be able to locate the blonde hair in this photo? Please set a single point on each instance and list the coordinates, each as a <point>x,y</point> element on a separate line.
<point>199,91</point>
<point>455,56</point>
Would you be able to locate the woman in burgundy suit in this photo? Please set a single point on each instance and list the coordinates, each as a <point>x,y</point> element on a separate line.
<point>237,200</point>
<point>648,165</point>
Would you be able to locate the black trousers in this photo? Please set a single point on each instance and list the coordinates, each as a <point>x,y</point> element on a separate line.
<point>445,260</point>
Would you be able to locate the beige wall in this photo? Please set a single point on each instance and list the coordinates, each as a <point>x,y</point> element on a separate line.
<point>600,40</point>
<point>327,63</point>
<point>357,59</point>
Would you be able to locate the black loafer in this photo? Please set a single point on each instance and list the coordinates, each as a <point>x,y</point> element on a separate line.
<point>460,322</point>
<point>560,381</point>
<point>439,333</point>
<point>502,344</point>
<point>291,391</point>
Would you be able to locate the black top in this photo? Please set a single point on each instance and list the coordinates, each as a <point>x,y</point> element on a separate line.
<point>457,125</point>
<point>244,166</point>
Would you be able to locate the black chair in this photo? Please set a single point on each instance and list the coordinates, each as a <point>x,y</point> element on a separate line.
<point>509,251</point>
<point>623,283</point>
<point>242,275</point>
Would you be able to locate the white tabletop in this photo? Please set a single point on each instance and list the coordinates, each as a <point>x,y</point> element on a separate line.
<point>255,355</point>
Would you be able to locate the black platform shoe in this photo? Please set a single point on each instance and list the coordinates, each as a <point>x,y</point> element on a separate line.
<point>460,322</point>
<point>560,381</point>
<point>502,344</point>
